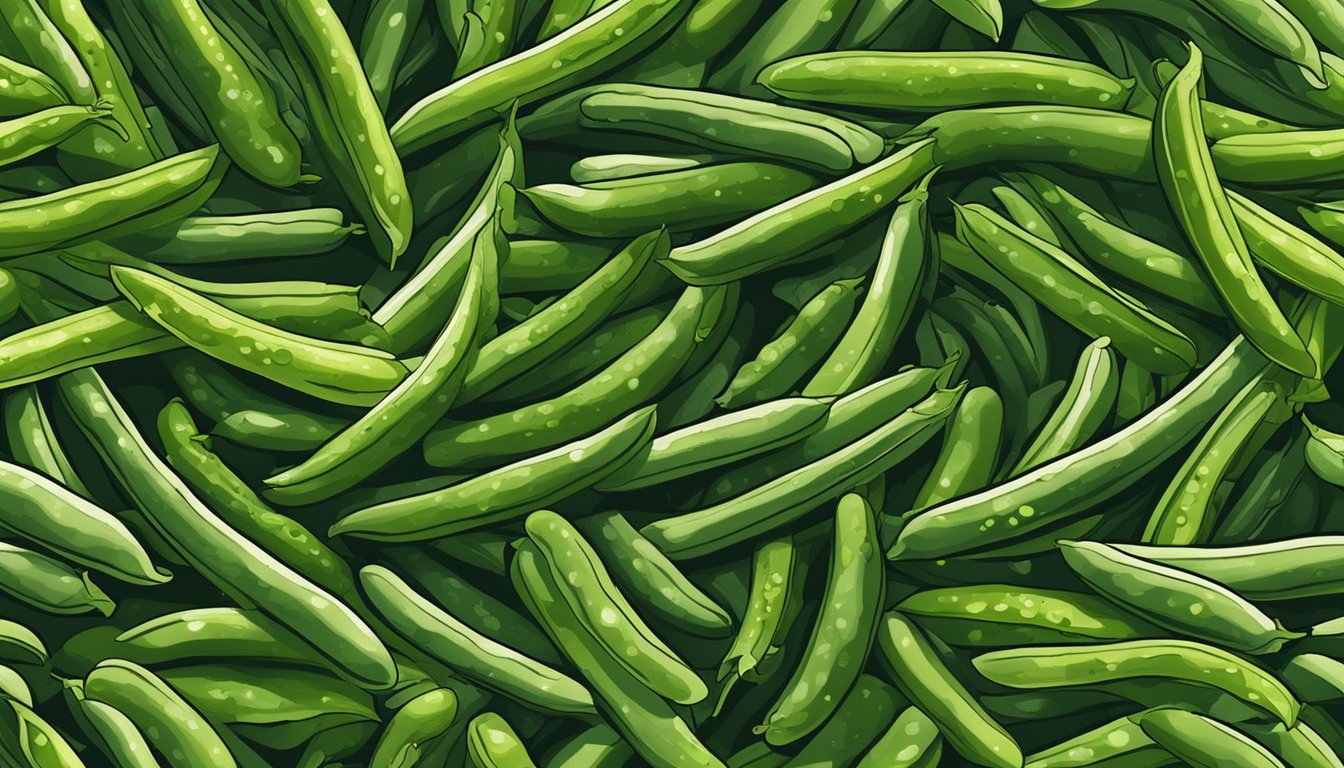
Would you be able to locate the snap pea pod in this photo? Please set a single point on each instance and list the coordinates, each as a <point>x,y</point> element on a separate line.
<point>19,644</point>
<point>342,373</point>
<point>1186,172</point>
<point>650,365</point>
<point>383,45</point>
<point>795,227</point>
<point>346,119</point>
<point>586,586</point>
<point>420,720</point>
<point>241,237</point>
<point>1065,489</point>
<point>501,495</point>
<point>942,81</point>
<point>794,494</point>
<point>25,136</point>
<point>911,741</point>
<point>793,27</point>
<point>1265,490</point>
<point>118,737</point>
<point>651,579</point>
<point>1027,214</point>
<point>183,736</point>
<point>26,89</point>
<point>970,452</point>
<point>627,166</point>
<point>1203,742</point>
<point>240,697</point>
<point>1186,512</point>
<point>845,628</point>
<point>231,562</point>
<point>697,198</point>
<point>488,37</point>
<point>1181,602</point>
<point>212,635</point>
<point>31,35</point>
<point>32,440</point>
<point>926,682</point>
<point>1056,280</point>
<point>660,735</point>
<point>1179,660</point>
<point>597,747</point>
<point>777,577</point>
<point>588,47</point>
<point>159,192</point>
<point>1314,678</point>
<point>492,743</point>
<point>1118,742</point>
<point>28,739</point>
<point>562,324</point>
<point>1300,745</point>
<point>468,652</point>
<point>49,585</point>
<point>1287,250</point>
<point>862,716</point>
<point>1282,570</point>
<point>713,122</point>
<point>546,266</point>
<point>1083,411</point>
<point>1002,615</point>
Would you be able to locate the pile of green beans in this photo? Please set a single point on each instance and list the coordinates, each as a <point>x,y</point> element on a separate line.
<point>671,383</point>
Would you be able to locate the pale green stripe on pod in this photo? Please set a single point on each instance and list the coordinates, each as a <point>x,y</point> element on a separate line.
<point>183,736</point>
<point>1203,742</point>
<point>1310,566</point>
<point>1120,742</point>
<point>1084,410</point>
<point>1001,615</point>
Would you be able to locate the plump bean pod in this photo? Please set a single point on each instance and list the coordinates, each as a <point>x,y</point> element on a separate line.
<point>492,743</point>
<point>20,644</point>
<point>1314,678</point>
<point>49,585</point>
<point>259,695</point>
<point>793,495</point>
<point>240,237</point>
<point>549,266</point>
<point>399,420</point>
<point>597,43</point>
<point>660,735</point>
<point>1118,742</point>
<point>181,734</point>
<point>116,735</point>
<point>26,90</point>
<point>1181,602</point>
<point>1325,453</point>
<point>585,584</point>
<point>1325,219</point>
<point>502,495</point>
<point>923,82</point>
<point>1002,615</point>
<point>145,197</point>
<point>213,635</point>
<point>1143,262</point>
<point>697,198</point>
<point>31,35</point>
<point>23,137</point>
<point>970,453</point>
<point>1179,660</point>
<point>903,266</point>
<point>231,562</point>
<point>651,579</point>
<point>1287,250</point>
<point>1309,566</point>
<point>844,631</point>
<point>551,331</point>
<point>925,680</point>
<point>103,334</point>
<point>777,577</point>
<point>597,747</point>
<point>1298,157</point>
<point>238,105</point>
<point>911,740</point>
<point>628,166</point>
<point>1083,411</point>
<point>27,739</point>
<point>1065,489</point>
<point>714,122</point>
<point>862,716</point>
<point>1186,172</point>
<point>1267,486</point>
<point>342,373</point>
<point>1076,295</point>
<point>347,122</point>
<point>1300,745</point>
<point>650,366</point>
<point>1027,214</point>
<point>422,719</point>
<point>782,363</point>
<point>1203,742</point>
<point>468,652</point>
<point>795,227</point>
<point>714,443</point>
<point>387,35</point>
<point>1186,512</point>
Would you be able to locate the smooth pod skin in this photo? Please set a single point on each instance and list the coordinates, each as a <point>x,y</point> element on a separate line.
<point>794,227</point>
<point>213,635</point>
<point>227,239</point>
<point>1203,742</point>
<point>970,453</point>
<point>182,734</point>
<point>383,45</point>
<point>1001,615</point>
<point>463,649</point>
<point>597,747</point>
<point>231,562</point>
<point>502,495</point>
<point>491,743</point>
<point>793,27</point>
<point>1068,487</point>
<point>597,42</point>
<point>844,631</point>
<point>586,585</point>
<point>1085,408</point>
<point>1180,660</point>
<point>777,575</point>
<point>23,137</point>
<point>342,373</point>
<point>1287,250</point>
<point>924,82</point>
<point>862,716</point>
<point>26,90</point>
<point>1310,566</point>
<point>236,695</point>
<point>793,495</point>
<point>1121,741</point>
<point>614,167</point>
<point>1179,601</point>
<point>119,737</point>
<point>50,585</point>
<point>422,719</point>
<point>922,677</point>
<point>911,741</point>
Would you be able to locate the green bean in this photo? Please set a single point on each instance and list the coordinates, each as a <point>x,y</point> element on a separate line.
<point>546,266</point>
<point>23,137</point>
<point>248,696</point>
<point>471,654</point>
<point>342,373</point>
<point>1300,745</point>
<point>1314,678</point>
<point>387,36</point>
<point>232,563</point>
<point>239,237</point>
<point>1203,742</point>
<point>30,34</point>
<point>614,167</point>
<point>911,741</point>
<point>501,495</point>
<point>49,585</point>
<point>777,576</point>
<point>1287,250</point>
<point>1180,660</point>
<point>844,631</point>
<point>651,365</point>
<point>346,119</point>
<point>696,198</point>
<point>792,495</point>
<point>795,227</point>
<point>1118,742</point>
<point>864,713</point>
<point>420,720</point>
<point>1065,489</point>
<point>1282,570</point>
<point>684,55</point>
<point>19,644</point>
<point>26,90</point>
<point>181,733</point>
<point>1027,214</point>
<point>597,747</point>
<point>116,734</point>
<point>488,37</point>
<point>793,27</point>
<point>28,739</point>
<point>586,48</point>
<point>212,634</point>
<point>970,452</point>
<point>1085,408</point>
<point>491,743</point>
<point>653,728</point>
<point>1000,615</point>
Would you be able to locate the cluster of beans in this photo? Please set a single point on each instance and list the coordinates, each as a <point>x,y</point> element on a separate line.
<point>672,383</point>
